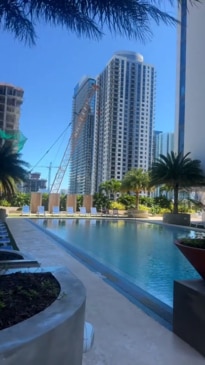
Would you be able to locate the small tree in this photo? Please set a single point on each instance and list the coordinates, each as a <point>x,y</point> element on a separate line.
<point>136,181</point>
<point>110,187</point>
<point>100,201</point>
<point>79,202</point>
<point>45,199</point>
<point>177,172</point>
<point>127,199</point>
<point>63,198</point>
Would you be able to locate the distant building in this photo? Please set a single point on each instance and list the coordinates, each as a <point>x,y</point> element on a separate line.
<point>124,118</point>
<point>34,183</point>
<point>117,133</point>
<point>11,98</point>
<point>164,143</point>
<point>190,106</point>
<point>82,146</point>
<point>155,143</point>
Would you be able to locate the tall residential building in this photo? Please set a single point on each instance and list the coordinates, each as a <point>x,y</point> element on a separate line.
<point>11,98</point>
<point>190,106</point>
<point>34,183</point>
<point>124,118</point>
<point>82,147</point>
<point>164,143</point>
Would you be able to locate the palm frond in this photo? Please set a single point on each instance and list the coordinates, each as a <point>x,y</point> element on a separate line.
<point>129,18</point>
<point>12,169</point>
<point>13,18</point>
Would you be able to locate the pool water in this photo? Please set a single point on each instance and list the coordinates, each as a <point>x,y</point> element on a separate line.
<point>141,252</point>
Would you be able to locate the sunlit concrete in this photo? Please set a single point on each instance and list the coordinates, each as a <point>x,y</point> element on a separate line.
<point>124,334</point>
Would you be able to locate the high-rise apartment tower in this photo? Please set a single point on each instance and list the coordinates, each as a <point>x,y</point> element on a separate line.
<point>124,118</point>
<point>82,147</point>
<point>11,98</point>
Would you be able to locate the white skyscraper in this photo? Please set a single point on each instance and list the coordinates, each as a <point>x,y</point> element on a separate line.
<point>124,118</point>
<point>117,133</point>
<point>190,98</point>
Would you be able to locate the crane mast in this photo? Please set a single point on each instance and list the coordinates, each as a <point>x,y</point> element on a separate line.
<point>81,118</point>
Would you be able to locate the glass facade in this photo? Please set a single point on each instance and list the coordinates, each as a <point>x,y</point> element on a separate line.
<point>182,80</point>
<point>82,138</point>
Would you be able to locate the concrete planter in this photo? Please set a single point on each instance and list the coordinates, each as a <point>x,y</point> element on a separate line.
<point>188,312</point>
<point>134,213</point>
<point>53,336</point>
<point>181,219</point>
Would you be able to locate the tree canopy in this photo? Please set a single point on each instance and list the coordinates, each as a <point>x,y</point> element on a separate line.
<point>12,169</point>
<point>130,18</point>
<point>136,181</point>
<point>110,187</point>
<point>177,172</point>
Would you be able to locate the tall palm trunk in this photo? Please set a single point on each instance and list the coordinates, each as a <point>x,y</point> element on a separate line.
<point>176,198</point>
<point>137,200</point>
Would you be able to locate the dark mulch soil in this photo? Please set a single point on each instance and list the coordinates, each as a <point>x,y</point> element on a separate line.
<point>23,295</point>
<point>10,256</point>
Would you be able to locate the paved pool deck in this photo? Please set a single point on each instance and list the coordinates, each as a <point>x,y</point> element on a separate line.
<point>124,334</point>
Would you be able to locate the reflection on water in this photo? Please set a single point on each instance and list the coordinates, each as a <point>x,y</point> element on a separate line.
<point>144,253</point>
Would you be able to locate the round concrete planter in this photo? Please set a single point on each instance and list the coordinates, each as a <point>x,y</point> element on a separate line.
<point>53,336</point>
<point>181,219</point>
<point>134,213</point>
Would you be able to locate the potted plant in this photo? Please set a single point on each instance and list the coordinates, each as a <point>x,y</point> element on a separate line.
<point>189,295</point>
<point>194,251</point>
<point>177,172</point>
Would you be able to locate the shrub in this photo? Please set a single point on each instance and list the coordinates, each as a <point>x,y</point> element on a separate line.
<point>127,200</point>
<point>155,209</point>
<point>5,203</point>
<point>146,200</point>
<point>116,205</point>
<point>144,208</point>
<point>100,201</point>
<point>162,202</point>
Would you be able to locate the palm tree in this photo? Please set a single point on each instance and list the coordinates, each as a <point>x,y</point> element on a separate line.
<point>12,169</point>
<point>115,186</point>
<point>110,187</point>
<point>136,181</point>
<point>104,188</point>
<point>130,18</point>
<point>177,172</point>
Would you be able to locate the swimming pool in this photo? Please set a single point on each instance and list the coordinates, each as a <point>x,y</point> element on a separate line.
<point>141,252</point>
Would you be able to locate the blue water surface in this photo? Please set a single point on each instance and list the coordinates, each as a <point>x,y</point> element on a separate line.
<point>144,253</point>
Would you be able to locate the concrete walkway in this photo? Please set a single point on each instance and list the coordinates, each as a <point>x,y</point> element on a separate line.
<point>124,335</point>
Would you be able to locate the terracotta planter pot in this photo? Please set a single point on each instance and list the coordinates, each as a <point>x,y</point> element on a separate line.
<point>196,256</point>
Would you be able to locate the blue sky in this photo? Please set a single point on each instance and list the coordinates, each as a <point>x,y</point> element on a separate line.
<point>49,71</point>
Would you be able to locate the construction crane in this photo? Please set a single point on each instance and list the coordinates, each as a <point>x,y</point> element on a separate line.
<point>50,167</point>
<point>81,118</point>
